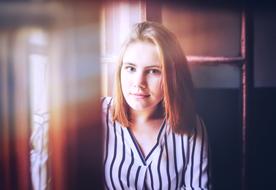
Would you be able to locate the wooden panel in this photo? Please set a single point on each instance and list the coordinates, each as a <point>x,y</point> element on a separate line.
<point>205,31</point>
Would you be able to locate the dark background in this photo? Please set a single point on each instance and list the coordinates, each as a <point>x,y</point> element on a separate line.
<point>221,110</point>
<point>220,105</point>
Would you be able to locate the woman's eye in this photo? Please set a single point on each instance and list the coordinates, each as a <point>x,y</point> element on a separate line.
<point>154,71</point>
<point>130,68</point>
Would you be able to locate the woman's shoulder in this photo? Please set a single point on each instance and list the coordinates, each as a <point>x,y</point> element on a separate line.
<point>106,100</point>
<point>106,103</point>
<point>200,128</point>
<point>199,122</point>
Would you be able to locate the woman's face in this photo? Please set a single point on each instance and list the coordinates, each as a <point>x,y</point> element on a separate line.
<point>141,77</point>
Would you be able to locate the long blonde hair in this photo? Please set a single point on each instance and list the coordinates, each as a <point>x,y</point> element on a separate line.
<point>178,102</point>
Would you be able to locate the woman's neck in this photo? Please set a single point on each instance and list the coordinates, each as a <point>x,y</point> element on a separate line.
<point>146,116</point>
<point>145,127</point>
<point>148,119</point>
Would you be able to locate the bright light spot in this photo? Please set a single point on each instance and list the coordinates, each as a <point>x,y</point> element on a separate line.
<point>38,37</point>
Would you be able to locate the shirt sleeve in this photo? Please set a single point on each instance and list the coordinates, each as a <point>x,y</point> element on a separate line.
<point>106,103</point>
<point>197,170</point>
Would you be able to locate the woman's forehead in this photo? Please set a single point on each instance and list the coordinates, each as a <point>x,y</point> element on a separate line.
<point>142,52</point>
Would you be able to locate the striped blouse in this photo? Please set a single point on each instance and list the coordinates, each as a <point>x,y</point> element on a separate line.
<point>175,162</point>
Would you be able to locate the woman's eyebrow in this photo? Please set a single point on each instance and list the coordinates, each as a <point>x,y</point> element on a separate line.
<point>147,67</point>
<point>153,66</point>
<point>128,63</point>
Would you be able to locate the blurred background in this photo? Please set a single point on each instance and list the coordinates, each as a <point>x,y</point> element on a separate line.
<point>50,121</point>
<point>57,59</point>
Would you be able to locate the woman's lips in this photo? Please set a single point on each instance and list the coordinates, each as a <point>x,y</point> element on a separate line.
<point>139,96</point>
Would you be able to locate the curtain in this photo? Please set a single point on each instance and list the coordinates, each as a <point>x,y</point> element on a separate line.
<point>75,131</point>
<point>50,116</point>
<point>14,115</point>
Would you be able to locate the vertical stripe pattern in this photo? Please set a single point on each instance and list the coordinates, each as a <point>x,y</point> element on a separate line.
<point>176,161</point>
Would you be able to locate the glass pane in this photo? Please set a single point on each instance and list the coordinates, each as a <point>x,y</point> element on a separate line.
<point>205,32</point>
<point>38,60</point>
<point>264,49</point>
<point>216,76</point>
<point>116,21</point>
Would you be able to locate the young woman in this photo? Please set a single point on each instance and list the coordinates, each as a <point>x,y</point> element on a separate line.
<point>153,137</point>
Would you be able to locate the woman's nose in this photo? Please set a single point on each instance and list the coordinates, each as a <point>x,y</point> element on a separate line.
<point>140,80</point>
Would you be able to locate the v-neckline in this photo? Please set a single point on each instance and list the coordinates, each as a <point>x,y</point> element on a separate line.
<point>145,158</point>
